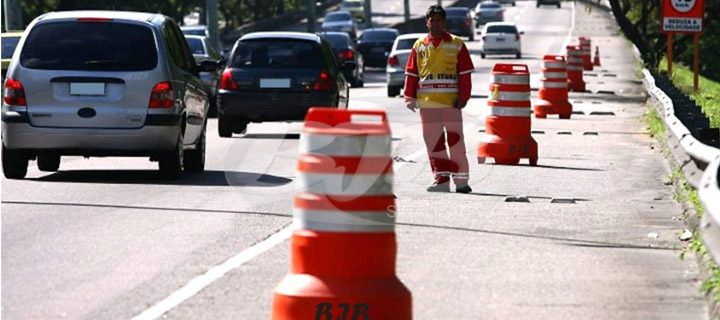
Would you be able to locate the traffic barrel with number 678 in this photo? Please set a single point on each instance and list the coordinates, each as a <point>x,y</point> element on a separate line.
<point>343,249</point>
<point>507,124</point>
<point>553,89</point>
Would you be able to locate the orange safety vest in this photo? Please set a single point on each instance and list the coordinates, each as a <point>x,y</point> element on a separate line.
<point>437,72</point>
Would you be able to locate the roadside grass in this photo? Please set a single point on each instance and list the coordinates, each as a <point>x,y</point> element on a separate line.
<point>708,96</point>
<point>685,193</point>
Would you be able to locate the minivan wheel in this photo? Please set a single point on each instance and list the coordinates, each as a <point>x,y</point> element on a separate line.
<point>170,164</point>
<point>48,162</point>
<point>393,91</point>
<point>14,163</point>
<point>518,55</point>
<point>194,160</point>
<point>224,127</point>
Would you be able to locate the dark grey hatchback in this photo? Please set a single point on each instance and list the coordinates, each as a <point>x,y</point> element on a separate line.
<point>278,76</point>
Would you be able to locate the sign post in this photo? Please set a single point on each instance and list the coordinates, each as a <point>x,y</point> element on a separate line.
<point>683,16</point>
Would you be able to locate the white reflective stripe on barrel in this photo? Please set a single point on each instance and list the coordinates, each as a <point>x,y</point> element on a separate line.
<point>510,96</point>
<point>553,65</point>
<point>550,84</point>
<point>575,68</point>
<point>342,184</point>
<point>511,79</point>
<point>341,145</point>
<point>572,60</point>
<point>555,75</point>
<point>437,90</point>
<point>345,221</point>
<point>509,112</point>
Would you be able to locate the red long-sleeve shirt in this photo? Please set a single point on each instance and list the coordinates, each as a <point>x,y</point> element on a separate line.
<point>464,64</point>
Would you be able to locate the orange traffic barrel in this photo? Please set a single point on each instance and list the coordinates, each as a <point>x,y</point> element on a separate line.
<point>507,124</point>
<point>575,68</point>
<point>343,247</point>
<point>553,89</point>
<point>586,45</point>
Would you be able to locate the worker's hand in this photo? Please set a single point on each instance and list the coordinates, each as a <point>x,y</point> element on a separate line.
<point>461,104</point>
<point>411,103</point>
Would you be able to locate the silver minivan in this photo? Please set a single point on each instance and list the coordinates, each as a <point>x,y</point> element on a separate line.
<point>104,83</point>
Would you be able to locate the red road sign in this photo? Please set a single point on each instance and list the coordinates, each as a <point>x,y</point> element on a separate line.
<point>682,16</point>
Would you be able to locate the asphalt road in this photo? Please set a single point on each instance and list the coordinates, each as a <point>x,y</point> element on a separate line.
<point>105,238</point>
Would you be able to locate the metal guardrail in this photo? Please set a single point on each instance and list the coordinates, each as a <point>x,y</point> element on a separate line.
<point>694,156</point>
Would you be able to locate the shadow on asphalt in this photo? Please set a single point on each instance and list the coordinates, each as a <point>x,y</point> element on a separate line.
<point>207,178</point>
<point>512,195</point>
<point>567,241</point>
<point>90,205</point>
<point>292,136</point>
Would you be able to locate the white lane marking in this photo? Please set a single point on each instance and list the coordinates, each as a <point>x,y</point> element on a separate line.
<point>572,27</point>
<point>199,283</point>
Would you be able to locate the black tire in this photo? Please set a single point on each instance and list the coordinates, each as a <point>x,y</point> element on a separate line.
<point>224,127</point>
<point>393,91</point>
<point>48,162</point>
<point>513,4</point>
<point>194,160</point>
<point>482,55</point>
<point>518,55</point>
<point>558,5</point>
<point>240,126</point>
<point>213,108</point>
<point>171,163</point>
<point>472,35</point>
<point>537,5</point>
<point>14,163</point>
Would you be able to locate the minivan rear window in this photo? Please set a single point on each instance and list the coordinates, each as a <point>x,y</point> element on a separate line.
<point>90,47</point>
<point>278,54</point>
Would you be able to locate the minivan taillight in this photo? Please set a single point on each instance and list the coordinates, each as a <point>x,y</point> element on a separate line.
<point>393,61</point>
<point>227,82</point>
<point>162,95</point>
<point>345,55</point>
<point>517,37</point>
<point>323,83</point>
<point>14,93</point>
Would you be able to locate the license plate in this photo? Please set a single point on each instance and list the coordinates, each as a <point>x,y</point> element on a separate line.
<point>500,40</point>
<point>274,83</point>
<point>378,50</point>
<point>87,89</point>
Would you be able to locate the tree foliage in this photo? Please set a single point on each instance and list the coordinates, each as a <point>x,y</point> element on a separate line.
<point>233,12</point>
<point>640,20</point>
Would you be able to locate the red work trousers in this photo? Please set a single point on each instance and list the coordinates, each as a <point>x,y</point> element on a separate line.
<point>441,125</point>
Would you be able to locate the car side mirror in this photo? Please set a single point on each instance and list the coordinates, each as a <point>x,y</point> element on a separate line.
<point>522,32</point>
<point>349,66</point>
<point>209,66</point>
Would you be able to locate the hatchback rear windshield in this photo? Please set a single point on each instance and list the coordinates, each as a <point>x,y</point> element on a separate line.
<point>405,44</point>
<point>489,6</point>
<point>8,46</point>
<point>352,4</point>
<point>501,29</point>
<point>90,47</point>
<point>277,54</point>
<point>379,35</point>
<point>338,16</point>
<point>456,13</point>
<point>337,41</point>
<point>196,45</point>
